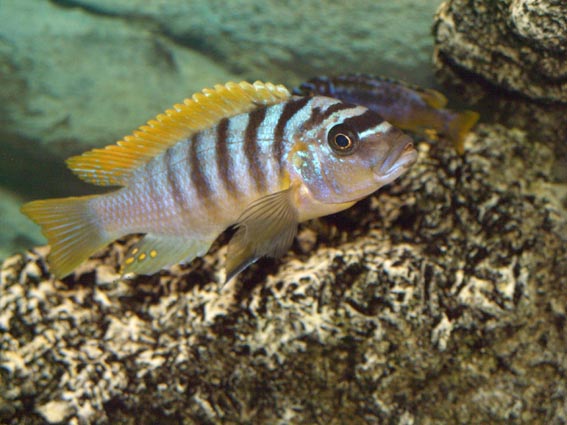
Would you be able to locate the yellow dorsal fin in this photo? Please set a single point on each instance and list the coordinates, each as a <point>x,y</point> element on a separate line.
<point>114,164</point>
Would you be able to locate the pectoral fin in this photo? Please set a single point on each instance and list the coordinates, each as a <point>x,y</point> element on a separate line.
<point>154,252</point>
<point>266,228</point>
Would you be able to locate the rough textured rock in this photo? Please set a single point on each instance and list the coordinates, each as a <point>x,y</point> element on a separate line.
<point>541,121</point>
<point>519,45</point>
<point>441,299</point>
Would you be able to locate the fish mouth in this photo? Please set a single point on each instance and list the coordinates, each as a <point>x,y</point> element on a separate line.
<point>400,157</point>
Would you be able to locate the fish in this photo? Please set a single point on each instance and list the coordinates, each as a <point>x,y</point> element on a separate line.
<point>409,107</point>
<point>250,156</point>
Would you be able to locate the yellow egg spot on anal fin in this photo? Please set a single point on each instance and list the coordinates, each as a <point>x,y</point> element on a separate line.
<point>171,250</point>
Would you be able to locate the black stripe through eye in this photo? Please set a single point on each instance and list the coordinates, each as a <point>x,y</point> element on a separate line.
<point>364,121</point>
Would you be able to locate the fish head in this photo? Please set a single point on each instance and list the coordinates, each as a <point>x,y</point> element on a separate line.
<point>352,154</point>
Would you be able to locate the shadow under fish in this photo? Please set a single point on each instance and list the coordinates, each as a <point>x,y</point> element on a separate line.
<point>408,107</point>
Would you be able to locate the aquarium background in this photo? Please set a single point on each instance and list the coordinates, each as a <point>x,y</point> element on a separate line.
<point>77,74</point>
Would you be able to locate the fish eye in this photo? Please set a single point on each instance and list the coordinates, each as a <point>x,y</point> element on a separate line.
<point>342,140</point>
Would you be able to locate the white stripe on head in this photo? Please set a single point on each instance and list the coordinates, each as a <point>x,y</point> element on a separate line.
<point>383,127</point>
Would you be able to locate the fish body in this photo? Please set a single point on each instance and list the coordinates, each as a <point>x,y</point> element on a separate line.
<point>244,155</point>
<point>406,106</point>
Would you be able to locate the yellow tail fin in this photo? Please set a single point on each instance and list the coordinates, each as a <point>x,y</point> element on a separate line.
<point>459,128</point>
<point>70,228</point>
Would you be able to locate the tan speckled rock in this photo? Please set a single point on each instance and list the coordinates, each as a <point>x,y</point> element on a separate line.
<point>441,299</point>
<point>519,45</point>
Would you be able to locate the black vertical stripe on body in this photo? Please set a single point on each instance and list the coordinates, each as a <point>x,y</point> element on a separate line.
<point>172,180</point>
<point>291,108</point>
<point>364,121</point>
<point>251,151</point>
<point>222,158</point>
<point>196,165</point>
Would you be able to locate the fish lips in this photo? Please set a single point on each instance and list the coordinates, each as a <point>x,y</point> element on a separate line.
<point>398,160</point>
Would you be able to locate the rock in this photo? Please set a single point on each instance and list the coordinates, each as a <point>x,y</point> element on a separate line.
<point>439,300</point>
<point>291,41</point>
<point>74,80</point>
<point>518,45</point>
<point>55,412</point>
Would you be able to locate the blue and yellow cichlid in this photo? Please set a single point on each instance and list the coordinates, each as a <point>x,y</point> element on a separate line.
<point>249,155</point>
<point>408,107</point>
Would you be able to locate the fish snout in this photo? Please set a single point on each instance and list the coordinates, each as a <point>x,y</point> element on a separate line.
<point>399,157</point>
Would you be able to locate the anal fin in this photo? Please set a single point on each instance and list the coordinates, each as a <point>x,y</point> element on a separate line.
<point>266,228</point>
<point>154,252</point>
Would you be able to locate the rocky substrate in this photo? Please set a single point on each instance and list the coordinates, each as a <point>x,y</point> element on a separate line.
<point>518,45</point>
<point>441,299</point>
